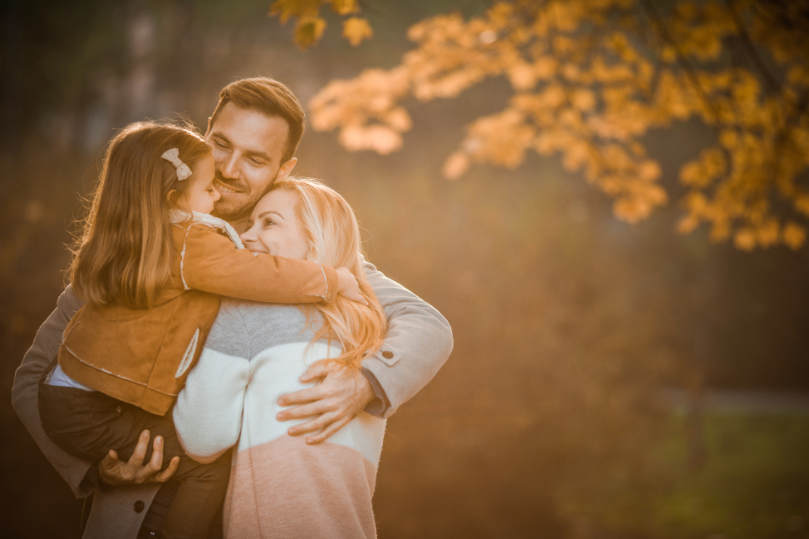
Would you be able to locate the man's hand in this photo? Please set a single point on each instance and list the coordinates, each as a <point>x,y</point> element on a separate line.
<point>115,472</point>
<point>339,398</point>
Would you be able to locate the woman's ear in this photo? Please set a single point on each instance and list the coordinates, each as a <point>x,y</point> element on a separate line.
<point>171,197</point>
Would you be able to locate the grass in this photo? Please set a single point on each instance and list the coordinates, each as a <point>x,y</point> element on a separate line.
<point>754,483</point>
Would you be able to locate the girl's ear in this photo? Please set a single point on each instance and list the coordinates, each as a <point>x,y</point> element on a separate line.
<point>171,197</point>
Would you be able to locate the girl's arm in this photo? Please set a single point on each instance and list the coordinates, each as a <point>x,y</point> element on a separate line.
<point>208,413</point>
<point>211,263</point>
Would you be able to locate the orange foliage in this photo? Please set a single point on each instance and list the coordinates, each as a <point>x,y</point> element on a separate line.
<point>309,25</point>
<point>590,79</point>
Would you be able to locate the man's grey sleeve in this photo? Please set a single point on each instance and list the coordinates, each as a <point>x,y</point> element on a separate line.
<point>417,344</point>
<point>36,364</point>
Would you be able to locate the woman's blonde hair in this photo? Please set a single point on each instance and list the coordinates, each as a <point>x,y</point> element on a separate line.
<point>123,253</point>
<point>331,228</point>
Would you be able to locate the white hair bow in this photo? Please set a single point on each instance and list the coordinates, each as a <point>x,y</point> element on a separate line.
<point>173,157</point>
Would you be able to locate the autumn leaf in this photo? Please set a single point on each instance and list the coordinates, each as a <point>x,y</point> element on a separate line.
<point>309,31</point>
<point>344,7</point>
<point>378,138</point>
<point>357,29</point>
<point>745,239</point>
<point>310,25</point>
<point>285,9</point>
<point>455,166</point>
<point>794,235</point>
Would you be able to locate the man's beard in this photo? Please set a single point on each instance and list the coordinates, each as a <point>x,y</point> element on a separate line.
<point>236,206</point>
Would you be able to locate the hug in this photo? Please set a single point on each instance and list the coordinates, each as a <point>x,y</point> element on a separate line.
<point>224,359</point>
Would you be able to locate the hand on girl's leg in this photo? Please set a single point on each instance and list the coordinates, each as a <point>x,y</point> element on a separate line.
<point>113,471</point>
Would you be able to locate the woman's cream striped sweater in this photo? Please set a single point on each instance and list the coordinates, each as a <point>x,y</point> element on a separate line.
<point>280,486</point>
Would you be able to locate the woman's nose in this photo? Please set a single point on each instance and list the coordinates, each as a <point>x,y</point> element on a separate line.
<point>248,236</point>
<point>216,194</point>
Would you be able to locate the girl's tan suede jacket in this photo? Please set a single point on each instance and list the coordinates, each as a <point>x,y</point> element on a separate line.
<point>142,356</point>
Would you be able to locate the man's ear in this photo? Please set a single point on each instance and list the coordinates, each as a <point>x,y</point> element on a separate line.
<point>207,131</point>
<point>286,169</point>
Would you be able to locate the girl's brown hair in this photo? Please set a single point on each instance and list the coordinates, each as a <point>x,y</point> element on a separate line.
<point>123,253</point>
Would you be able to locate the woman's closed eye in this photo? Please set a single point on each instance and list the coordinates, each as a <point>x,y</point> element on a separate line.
<point>269,221</point>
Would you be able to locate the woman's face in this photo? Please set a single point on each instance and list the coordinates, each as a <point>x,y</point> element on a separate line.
<point>274,228</point>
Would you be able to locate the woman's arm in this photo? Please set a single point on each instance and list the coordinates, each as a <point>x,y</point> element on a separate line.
<point>211,263</point>
<point>208,413</point>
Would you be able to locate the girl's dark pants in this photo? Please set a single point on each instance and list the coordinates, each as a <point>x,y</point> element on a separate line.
<point>88,424</point>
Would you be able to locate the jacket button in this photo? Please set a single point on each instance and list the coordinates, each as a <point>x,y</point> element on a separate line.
<point>138,506</point>
<point>387,354</point>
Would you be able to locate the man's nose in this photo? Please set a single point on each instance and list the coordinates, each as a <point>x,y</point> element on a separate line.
<point>230,167</point>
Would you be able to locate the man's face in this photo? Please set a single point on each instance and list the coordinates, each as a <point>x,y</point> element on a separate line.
<point>247,147</point>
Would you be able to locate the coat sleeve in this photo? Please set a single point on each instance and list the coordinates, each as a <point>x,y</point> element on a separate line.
<point>208,413</point>
<point>36,363</point>
<point>211,263</point>
<point>418,342</point>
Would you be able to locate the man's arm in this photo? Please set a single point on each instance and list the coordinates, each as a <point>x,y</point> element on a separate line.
<point>81,475</point>
<point>417,343</point>
<point>25,395</point>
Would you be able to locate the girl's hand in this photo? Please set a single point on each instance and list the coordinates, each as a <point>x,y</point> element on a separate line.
<point>348,287</point>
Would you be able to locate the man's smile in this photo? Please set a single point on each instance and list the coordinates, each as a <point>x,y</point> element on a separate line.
<point>222,187</point>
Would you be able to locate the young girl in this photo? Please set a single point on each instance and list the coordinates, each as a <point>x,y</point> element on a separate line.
<point>281,487</point>
<point>151,265</point>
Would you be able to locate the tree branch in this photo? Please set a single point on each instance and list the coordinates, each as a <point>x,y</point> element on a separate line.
<point>684,64</point>
<point>774,85</point>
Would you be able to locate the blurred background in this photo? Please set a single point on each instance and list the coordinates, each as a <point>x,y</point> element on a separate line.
<point>608,380</point>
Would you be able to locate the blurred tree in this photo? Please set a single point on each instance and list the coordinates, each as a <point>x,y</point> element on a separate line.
<point>590,79</point>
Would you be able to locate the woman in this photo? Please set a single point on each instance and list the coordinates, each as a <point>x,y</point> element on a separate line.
<point>280,486</point>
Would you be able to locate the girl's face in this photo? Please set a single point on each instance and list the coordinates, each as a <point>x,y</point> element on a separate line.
<point>200,194</point>
<point>275,229</point>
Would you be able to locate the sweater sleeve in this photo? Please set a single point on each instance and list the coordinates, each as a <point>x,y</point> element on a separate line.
<point>211,263</point>
<point>37,362</point>
<point>208,413</point>
<point>417,343</point>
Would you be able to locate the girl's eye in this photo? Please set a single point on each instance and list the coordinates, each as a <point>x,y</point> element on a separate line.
<point>268,222</point>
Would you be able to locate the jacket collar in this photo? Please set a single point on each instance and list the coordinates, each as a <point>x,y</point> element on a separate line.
<point>182,216</point>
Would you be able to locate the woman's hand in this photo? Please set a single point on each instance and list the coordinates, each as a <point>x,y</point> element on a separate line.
<point>348,287</point>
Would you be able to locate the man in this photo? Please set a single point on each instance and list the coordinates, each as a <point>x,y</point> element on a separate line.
<point>253,134</point>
